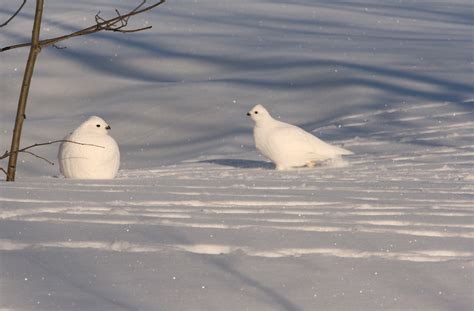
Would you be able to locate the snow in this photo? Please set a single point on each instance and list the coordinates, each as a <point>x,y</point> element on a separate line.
<point>196,219</point>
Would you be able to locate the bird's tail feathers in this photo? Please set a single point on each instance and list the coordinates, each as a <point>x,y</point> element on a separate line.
<point>343,151</point>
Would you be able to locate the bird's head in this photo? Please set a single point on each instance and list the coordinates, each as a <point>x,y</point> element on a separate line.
<point>95,125</point>
<point>259,113</point>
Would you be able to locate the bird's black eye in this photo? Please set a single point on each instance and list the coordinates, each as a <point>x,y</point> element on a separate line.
<point>256,112</point>
<point>98,125</point>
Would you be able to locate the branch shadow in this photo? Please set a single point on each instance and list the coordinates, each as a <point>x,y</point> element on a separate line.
<point>94,294</point>
<point>363,75</point>
<point>279,299</point>
<point>222,65</point>
<point>240,163</point>
<point>225,265</point>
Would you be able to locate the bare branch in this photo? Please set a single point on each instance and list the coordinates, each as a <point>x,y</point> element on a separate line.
<point>35,49</point>
<point>14,14</point>
<point>25,150</point>
<point>122,20</point>
<point>132,30</point>
<point>99,19</point>
<point>39,157</point>
<point>59,141</point>
<point>7,154</point>
<point>139,6</point>
<point>114,24</point>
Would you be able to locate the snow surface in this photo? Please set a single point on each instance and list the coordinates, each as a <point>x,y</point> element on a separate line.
<point>197,220</point>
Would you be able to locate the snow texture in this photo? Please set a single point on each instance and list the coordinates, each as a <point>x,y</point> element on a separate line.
<point>89,152</point>
<point>196,219</point>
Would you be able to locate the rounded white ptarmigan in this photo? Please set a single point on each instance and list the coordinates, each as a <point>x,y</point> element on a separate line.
<point>92,155</point>
<point>289,146</point>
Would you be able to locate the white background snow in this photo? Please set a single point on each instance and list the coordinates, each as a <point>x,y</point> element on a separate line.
<point>197,220</point>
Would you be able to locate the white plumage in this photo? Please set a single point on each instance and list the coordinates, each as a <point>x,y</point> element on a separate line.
<point>94,155</point>
<point>289,146</point>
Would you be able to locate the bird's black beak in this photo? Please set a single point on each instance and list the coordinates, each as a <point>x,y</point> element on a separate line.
<point>248,113</point>
<point>108,127</point>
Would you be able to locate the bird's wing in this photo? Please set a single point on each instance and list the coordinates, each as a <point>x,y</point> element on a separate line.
<point>291,137</point>
<point>307,143</point>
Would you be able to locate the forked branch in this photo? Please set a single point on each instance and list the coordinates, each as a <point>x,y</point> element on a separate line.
<point>116,24</point>
<point>26,150</point>
<point>14,14</point>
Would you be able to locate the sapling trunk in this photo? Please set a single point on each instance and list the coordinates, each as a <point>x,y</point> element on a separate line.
<point>35,49</point>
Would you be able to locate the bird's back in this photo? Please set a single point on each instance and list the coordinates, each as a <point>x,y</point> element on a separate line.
<point>288,143</point>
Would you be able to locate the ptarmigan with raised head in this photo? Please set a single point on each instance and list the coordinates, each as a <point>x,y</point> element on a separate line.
<point>92,154</point>
<point>289,146</point>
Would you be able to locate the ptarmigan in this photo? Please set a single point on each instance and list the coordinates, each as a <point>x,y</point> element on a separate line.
<point>94,155</point>
<point>289,146</point>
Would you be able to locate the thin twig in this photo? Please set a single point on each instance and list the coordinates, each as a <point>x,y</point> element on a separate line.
<point>25,150</point>
<point>139,6</point>
<point>39,157</point>
<point>122,20</point>
<point>7,154</point>
<point>114,24</point>
<point>133,30</point>
<point>59,141</point>
<point>14,14</point>
<point>59,47</point>
<point>99,19</point>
